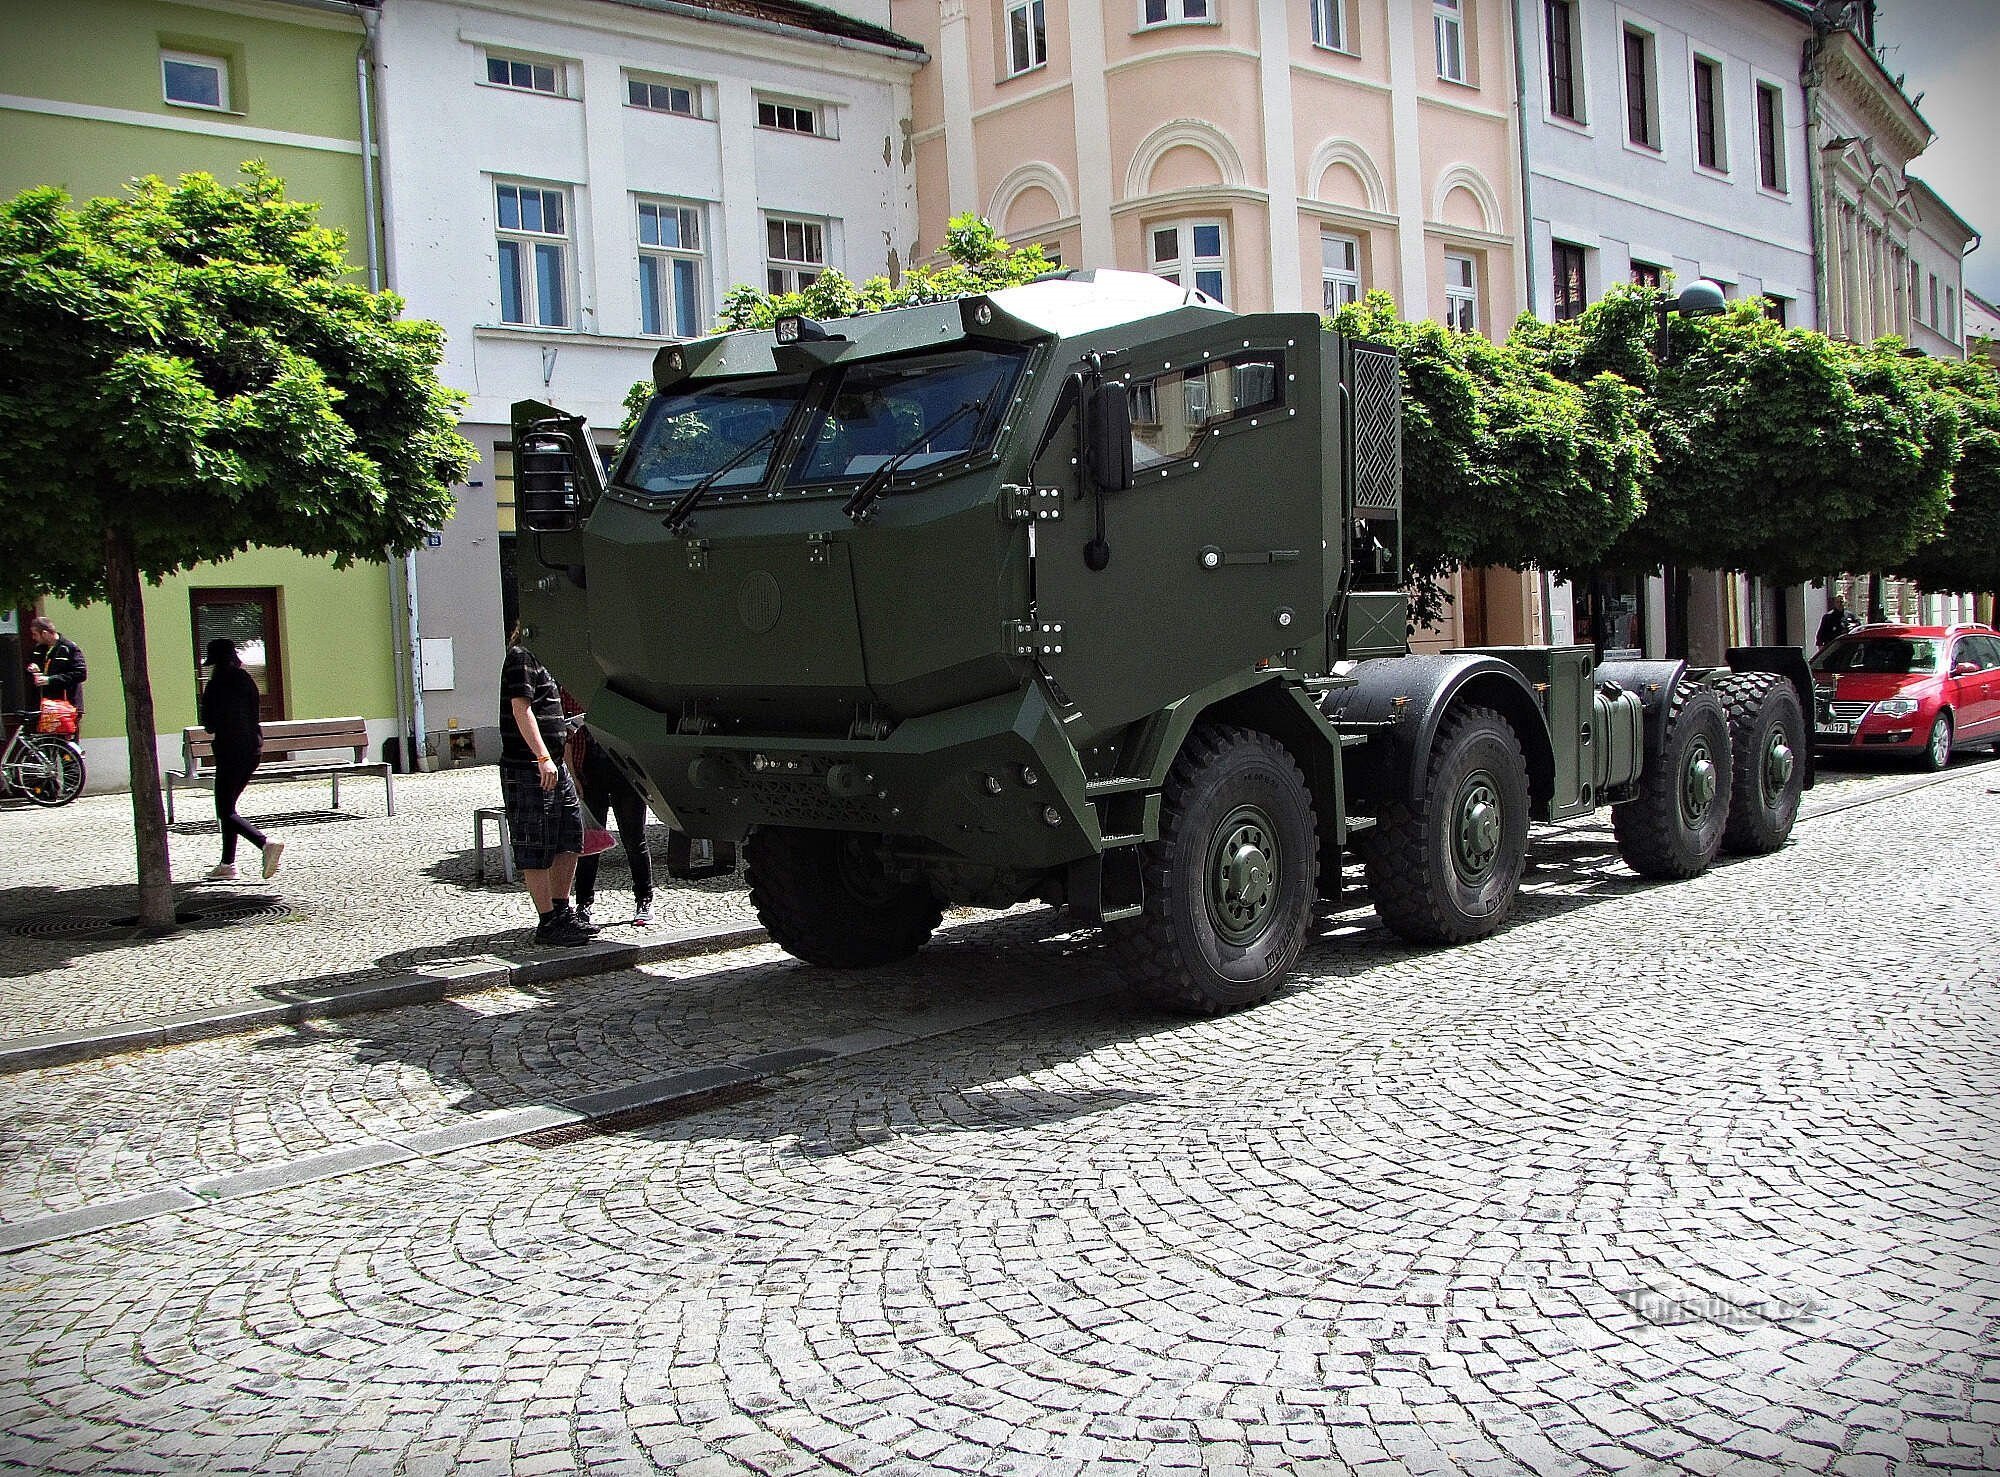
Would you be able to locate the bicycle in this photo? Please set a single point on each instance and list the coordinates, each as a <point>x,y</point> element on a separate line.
<point>45,767</point>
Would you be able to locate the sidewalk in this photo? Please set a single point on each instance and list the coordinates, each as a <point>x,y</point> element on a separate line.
<point>362,897</point>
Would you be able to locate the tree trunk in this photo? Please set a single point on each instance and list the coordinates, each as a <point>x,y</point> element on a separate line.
<point>149,817</point>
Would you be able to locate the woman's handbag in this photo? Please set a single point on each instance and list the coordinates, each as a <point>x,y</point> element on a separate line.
<point>595,838</point>
<point>58,716</point>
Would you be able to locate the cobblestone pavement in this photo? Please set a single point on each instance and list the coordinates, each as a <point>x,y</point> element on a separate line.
<point>361,895</point>
<point>1690,1178</point>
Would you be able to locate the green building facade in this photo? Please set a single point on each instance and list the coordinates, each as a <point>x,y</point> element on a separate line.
<point>95,92</point>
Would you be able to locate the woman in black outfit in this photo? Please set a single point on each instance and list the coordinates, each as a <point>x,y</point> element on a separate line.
<point>229,706</point>
<point>614,800</point>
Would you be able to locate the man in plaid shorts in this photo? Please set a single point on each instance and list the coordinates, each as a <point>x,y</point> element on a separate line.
<point>544,816</point>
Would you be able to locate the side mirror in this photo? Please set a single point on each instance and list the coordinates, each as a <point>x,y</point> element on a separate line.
<point>546,485</point>
<point>1966,669</point>
<point>1108,446</point>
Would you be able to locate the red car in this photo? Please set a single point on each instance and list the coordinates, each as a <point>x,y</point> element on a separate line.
<point>1917,690</point>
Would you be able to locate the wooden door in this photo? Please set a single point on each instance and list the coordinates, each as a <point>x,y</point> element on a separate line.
<point>249,617</point>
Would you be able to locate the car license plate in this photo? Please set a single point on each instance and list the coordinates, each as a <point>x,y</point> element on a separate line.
<point>1836,730</point>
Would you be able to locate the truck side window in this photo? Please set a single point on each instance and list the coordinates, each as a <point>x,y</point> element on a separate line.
<point>1170,412</point>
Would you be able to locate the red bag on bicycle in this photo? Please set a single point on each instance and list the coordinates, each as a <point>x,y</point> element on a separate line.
<point>58,716</point>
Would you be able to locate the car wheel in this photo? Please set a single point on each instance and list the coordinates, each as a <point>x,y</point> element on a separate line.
<point>1937,752</point>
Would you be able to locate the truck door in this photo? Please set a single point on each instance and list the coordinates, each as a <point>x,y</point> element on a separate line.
<point>1214,551</point>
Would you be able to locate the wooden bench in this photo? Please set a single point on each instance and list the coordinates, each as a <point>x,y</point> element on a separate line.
<point>297,749</point>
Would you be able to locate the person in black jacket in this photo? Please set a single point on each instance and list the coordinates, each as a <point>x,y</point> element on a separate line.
<point>229,705</point>
<point>56,663</point>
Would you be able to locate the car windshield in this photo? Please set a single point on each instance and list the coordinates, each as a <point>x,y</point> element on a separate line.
<point>927,409</point>
<point>1893,655</point>
<point>687,436</point>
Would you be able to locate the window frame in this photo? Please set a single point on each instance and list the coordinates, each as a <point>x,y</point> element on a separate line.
<point>1329,276</point>
<point>1778,309</point>
<point>558,68</point>
<point>1189,262</point>
<point>789,267</point>
<point>1329,18</point>
<point>1448,17</point>
<point>1465,294</point>
<point>1577,111</point>
<point>1642,103</point>
<point>821,115</point>
<point>208,60</point>
<point>1144,400</point>
<point>529,287</point>
<point>1570,264</point>
<point>1701,64</point>
<point>1654,275</point>
<point>1771,139</point>
<point>1035,29</point>
<point>665,300</point>
<point>1175,13</point>
<point>697,103</point>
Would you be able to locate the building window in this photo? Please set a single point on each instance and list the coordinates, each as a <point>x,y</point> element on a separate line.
<point>806,118</point>
<point>1339,271</point>
<point>194,81</point>
<point>1916,292</point>
<point>1027,36</point>
<point>525,74</point>
<point>1559,18</point>
<point>1571,296</point>
<point>1934,320</point>
<point>670,262</point>
<point>1642,119</point>
<point>794,253</point>
<point>1461,292</point>
<point>1645,274</point>
<point>1175,12</point>
<point>1194,254</point>
<point>1770,137</point>
<point>1777,309</point>
<point>1448,30</point>
<point>1710,140</point>
<point>1329,24</point>
<point>1951,314</point>
<point>658,95</point>
<point>534,255</point>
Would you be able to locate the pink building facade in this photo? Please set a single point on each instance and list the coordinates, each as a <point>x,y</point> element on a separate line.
<point>1280,154</point>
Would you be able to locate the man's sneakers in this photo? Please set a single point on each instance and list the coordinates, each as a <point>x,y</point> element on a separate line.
<point>222,872</point>
<point>273,852</point>
<point>564,928</point>
<point>643,918</point>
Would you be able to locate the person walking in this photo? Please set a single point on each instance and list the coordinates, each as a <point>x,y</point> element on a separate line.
<point>544,816</point>
<point>57,666</point>
<point>609,795</point>
<point>229,711</point>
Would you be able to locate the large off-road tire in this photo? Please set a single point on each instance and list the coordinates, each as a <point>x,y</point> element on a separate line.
<point>1767,736</point>
<point>1448,868</point>
<point>1674,827</point>
<point>1937,748</point>
<point>1230,883</point>
<point>825,897</point>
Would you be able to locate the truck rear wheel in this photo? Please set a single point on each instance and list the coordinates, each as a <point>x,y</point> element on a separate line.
<point>826,897</point>
<point>1767,733</point>
<point>1674,828</point>
<point>1448,868</point>
<point>1230,882</point>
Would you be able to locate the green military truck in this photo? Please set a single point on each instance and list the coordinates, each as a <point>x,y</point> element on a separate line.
<point>1090,591</point>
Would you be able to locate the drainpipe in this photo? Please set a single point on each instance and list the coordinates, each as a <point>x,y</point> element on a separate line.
<point>409,664</point>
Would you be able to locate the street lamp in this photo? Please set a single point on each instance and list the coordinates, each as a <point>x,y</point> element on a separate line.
<point>1699,299</point>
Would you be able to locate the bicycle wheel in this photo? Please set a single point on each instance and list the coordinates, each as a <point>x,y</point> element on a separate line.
<point>54,775</point>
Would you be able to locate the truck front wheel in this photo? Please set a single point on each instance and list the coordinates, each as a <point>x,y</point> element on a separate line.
<point>1767,736</point>
<point>1447,869</point>
<point>828,898</point>
<point>1674,827</point>
<point>1230,882</point>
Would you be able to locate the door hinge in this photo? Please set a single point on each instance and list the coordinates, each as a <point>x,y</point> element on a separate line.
<point>1033,638</point>
<point>1020,504</point>
<point>816,548</point>
<point>697,553</point>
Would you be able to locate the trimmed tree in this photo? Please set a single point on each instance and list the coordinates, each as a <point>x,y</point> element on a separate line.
<point>186,372</point>
<point>1965,556</point>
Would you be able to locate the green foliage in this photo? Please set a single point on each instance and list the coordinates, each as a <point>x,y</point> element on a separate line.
<point>1966,553</point>
<point>190,365</point>
<point>1504,463</point>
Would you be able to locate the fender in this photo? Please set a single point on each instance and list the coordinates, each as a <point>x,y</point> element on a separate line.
<point>1654,684</point>
<point>1411,696</point>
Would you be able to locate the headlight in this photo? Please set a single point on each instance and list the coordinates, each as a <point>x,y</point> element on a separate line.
<point>1896,707</point>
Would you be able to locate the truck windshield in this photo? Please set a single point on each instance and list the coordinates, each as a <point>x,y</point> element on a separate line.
<point>877,410</point>
<point>1891,655</point>
<point>687,436</point>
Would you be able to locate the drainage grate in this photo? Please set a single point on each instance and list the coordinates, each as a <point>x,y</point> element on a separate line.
<point>213,915</point>
<point>631,1118</point>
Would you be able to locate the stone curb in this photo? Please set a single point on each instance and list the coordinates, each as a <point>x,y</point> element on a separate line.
<point>416,987</point>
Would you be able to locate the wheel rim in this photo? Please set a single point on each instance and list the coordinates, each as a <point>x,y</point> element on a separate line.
<point>1940,741</point>
<point>1698,783</point>
<point>1779,763</point>
<point>1243,875</point>
<point>1477,828</point>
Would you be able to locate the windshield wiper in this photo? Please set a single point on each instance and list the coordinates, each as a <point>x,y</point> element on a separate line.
<point>678,513</point>
<point>876,481</point>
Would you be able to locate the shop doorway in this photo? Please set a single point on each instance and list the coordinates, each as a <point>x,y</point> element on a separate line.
<point>249,617</point>
<point>1610,613</point>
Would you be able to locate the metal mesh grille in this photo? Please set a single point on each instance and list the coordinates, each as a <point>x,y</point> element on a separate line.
<point>1378,432</point>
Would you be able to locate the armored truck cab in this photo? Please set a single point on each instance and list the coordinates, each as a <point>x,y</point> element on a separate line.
<point>1087,590</point>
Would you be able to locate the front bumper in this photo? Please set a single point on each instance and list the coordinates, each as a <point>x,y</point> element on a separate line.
<point>1871,731</point>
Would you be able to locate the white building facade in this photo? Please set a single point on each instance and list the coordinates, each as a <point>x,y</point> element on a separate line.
<point>570,184</point>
